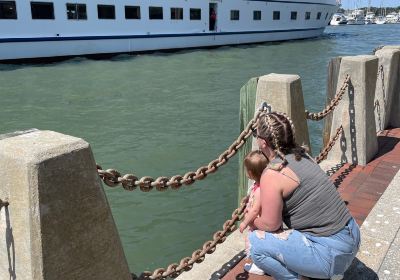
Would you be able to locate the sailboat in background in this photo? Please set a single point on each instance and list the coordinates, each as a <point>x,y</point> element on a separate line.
<point>356,17</point>
<point>381,18</point>
<point>370,16</point>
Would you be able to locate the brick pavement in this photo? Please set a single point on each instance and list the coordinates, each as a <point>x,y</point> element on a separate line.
<point>359,186</point>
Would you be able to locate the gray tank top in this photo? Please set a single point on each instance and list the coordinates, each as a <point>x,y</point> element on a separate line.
<point>315,206</point>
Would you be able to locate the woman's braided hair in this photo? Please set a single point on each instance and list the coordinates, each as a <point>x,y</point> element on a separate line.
<point>278,130</point>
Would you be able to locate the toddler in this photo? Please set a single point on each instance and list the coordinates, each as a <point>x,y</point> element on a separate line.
<point>255,163</point>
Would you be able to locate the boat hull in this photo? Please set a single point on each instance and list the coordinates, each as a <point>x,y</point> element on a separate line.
<point>26,38</point>
<point>74,46</point>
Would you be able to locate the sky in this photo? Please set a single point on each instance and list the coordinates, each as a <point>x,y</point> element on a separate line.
<point>351,4</point>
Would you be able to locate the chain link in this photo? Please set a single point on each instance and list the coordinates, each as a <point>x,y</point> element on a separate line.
<point>130,182</point>
<point>324,153</point>
<point>3,203</point>
<point>377,49</point>
<point>198,256</point>
<point>332,105</point>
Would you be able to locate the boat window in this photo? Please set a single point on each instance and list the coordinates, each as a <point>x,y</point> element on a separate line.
<point>256,15</point>
<point>76,11</point>
<point>176,13</point>
<point>8,10</point>
<point>132,12</point>
<point>308,15</point>
<point>234,14</point>
<point>326,16</point>
<point>195,14</point>
<point>106,11</point>
<point>276,15</point>
<point>42,10</point>
<point>293,15</point>
<point>319,15</point>
<point>155,13</point>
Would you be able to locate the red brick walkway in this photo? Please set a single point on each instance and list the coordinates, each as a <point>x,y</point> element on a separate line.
<point>360,186</point>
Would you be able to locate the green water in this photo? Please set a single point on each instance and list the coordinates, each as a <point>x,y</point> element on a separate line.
<point>166,114</point>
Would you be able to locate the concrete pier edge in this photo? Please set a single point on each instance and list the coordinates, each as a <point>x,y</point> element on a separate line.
<point>380,238</point>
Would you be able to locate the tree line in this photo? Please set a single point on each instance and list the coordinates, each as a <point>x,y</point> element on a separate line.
<point>376,10</point>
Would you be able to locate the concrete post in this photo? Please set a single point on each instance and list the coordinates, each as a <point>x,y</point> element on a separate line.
<point>284,94</point>
<point>396,47</point>
<point>58,224</point>
<point>355,112</point>
<point>394,110</point>
<point>386,85</point>
<point>331,89</point>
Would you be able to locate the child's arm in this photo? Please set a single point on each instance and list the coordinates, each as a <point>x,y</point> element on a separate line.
<point>253,212</point>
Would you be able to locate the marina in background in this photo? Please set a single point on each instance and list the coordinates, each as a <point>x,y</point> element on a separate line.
<point>366,15</point>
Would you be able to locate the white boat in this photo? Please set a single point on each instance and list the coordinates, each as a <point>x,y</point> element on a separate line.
<point>380,20</point>
<point>392,18</point>
<point>370,18</point>
<point>61,28</point>
<point>356,17</point>
<point>338,19</point>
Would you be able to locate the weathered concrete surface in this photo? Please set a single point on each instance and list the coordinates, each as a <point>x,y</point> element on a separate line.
<point>397,47</point>
<point>358,143</point>
<point>390,268</point>
<point>213,263</point>
<point>395,112</point>
<point>16,133</point>
<point>380,249</point>
<point>284,94</point>
<point>58,224</point>
<point>331,90</point>
<point>386,85</point>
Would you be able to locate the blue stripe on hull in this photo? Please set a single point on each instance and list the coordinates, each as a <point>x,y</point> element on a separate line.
<point>115,37</point>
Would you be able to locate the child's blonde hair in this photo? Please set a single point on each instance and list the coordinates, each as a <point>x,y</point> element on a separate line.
<point>255,163</point>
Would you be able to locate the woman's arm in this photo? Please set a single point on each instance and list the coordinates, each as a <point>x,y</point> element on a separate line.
<point>273,186</point>
<point>253,212</point>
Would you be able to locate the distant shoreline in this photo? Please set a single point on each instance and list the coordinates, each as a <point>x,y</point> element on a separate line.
<point>373,9</point>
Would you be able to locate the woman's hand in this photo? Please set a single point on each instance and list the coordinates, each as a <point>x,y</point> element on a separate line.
<point>252,227</point>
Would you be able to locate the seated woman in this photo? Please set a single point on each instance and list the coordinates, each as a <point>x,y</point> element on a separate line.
<point>323,238</point>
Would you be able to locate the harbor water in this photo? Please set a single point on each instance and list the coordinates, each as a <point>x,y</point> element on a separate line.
<point>164,114</point>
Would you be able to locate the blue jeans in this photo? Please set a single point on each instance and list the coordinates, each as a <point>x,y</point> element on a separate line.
<point>302,254</point>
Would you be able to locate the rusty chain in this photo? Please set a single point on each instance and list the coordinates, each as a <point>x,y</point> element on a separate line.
<point>3,203</point>
<point>335,101</point>
<point>198,256</point>
<point>324,153</point>
<point>380,70</point>
<point>377,49</point>
<point>130,182</point>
